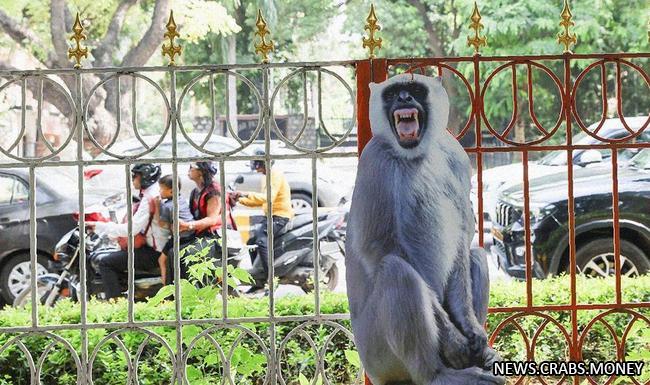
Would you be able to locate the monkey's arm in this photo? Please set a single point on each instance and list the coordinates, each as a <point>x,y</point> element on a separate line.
<point>460,305</point>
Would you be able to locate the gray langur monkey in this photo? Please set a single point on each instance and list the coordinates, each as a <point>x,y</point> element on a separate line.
<point>417,296</point>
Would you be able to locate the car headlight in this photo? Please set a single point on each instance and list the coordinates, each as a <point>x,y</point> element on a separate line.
<point>520,251</point>
<point>537,213</point>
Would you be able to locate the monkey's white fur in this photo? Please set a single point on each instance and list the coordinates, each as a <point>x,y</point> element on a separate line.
<point>408,254</point>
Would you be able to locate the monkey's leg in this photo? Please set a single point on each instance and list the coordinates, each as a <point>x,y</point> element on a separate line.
<point>480,276</point>
<point>471,282</point>
<point>412,329</point>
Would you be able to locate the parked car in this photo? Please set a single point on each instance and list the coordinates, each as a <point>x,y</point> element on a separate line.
<point>499,178</point>
<point>56,214</point>
<point>298,172</point>
<point>592,189</point>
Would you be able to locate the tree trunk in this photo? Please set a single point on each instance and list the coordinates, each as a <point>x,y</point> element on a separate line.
<point>231,41</point>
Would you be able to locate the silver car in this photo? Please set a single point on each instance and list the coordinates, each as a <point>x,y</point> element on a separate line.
<point>297,171</point>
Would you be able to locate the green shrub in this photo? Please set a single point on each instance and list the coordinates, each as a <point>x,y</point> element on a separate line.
<point>248,362</point>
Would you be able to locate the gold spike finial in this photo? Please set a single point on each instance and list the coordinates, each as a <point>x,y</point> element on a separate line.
<point>78,52</point>
<point>171,50</point>
<point>263,47</point>
<point>476,40</point>
<point>372,27</point>
<point>566,38</point>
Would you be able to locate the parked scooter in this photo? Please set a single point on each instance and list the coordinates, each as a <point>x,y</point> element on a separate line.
<point>294,251</point>
<point>66,281</point>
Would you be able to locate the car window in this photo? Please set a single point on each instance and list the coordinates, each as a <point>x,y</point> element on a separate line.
<point>642,159</point>
<point>12,190</point>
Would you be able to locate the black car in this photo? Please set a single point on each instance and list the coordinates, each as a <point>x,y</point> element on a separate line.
<point>549,221</point>
<point>56,210</point>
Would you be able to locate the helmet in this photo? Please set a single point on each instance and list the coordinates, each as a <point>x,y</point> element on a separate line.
<point>255,164</point>
<point>150,173</point>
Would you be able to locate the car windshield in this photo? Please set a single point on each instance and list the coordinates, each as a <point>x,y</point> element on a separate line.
<point>558,158</point>
<point>642,159</point>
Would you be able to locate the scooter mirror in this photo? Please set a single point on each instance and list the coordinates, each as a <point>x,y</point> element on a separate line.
<point>239,180</point>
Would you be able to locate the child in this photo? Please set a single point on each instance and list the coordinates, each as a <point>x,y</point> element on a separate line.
<point>164,216</point>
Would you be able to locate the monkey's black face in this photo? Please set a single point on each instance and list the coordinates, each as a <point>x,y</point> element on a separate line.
<point>406,106</point>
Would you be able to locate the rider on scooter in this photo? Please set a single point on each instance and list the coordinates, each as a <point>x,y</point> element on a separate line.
<point>113,265</point>
<point>282,212</point>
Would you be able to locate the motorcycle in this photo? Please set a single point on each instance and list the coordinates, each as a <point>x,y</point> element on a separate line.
<point>294,252</point>
<point>66,281</point>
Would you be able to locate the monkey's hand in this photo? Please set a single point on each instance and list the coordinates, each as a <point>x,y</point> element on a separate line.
<point>490,356</point>
<point>477,341</point>
<point>483,355</point>
<point>455,348</point>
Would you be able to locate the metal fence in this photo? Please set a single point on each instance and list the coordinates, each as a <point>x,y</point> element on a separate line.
<point>174,129</point>
<point>567,84</point>
<point>272,334</point>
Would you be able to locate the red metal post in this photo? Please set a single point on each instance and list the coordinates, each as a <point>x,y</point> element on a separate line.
<point>367,71</point>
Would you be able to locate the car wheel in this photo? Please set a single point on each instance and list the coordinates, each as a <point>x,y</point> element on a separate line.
<point>300,202</point>
<point>596,259</point>
<point>15,275</point>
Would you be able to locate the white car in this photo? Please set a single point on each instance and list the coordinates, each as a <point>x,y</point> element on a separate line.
<point>297,171</point>
<point>498,178</point>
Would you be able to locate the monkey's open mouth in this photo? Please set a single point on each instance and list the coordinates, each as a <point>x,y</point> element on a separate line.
<point>407,124</point>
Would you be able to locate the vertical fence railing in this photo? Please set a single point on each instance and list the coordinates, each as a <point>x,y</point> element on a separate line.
<point>567,84</point>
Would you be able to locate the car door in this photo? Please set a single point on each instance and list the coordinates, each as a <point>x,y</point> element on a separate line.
<point>14,212</point>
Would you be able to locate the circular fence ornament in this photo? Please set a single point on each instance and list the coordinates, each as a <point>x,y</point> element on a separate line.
<point>132,361</point>
<point>544,133</point>
<point>529,341</point>
<point>44,84</point>
<point>620,341</point>
<point>226,355</point>
<point>595,132</point>
<point>204,145</point>
<point>320,352</point>
<point>147,147</point>
<point>319,126</point>
<point>36,363</point>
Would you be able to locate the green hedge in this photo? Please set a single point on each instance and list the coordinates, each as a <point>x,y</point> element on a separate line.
<point>248,363</point>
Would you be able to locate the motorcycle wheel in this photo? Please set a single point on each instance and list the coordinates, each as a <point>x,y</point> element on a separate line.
<point>42,291</point>
<point>331,279</point>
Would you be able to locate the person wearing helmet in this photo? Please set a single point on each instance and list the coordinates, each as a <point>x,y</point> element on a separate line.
<point>205,205</point>
<point>281,210</point>
<point>144,177</point>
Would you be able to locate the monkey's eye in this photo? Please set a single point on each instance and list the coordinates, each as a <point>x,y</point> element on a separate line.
<point>419,93</point>
<point>389,95</point>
